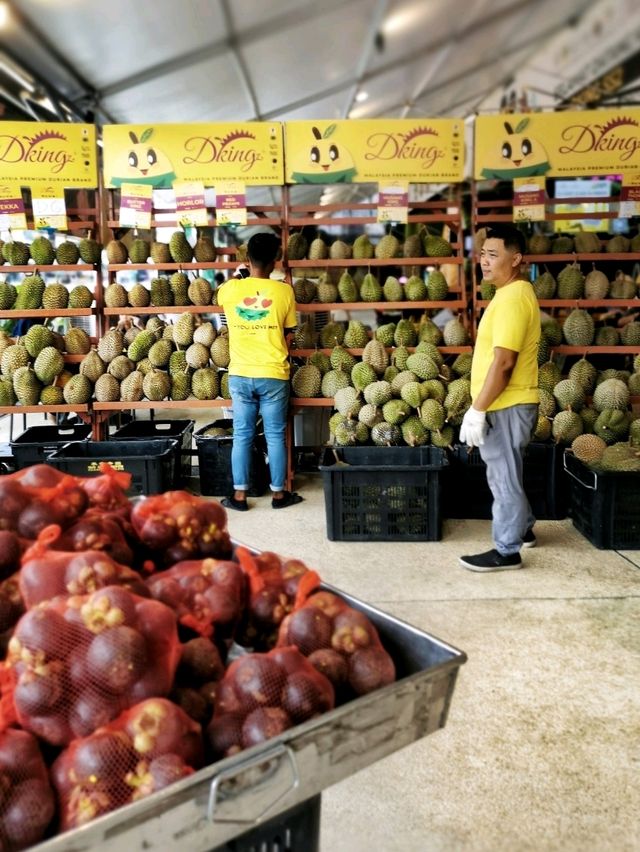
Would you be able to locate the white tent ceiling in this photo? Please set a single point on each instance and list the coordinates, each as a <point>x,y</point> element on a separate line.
<point>226,60</point>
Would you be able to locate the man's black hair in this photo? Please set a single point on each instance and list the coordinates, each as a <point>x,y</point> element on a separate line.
<point>511,237</point>
<point>262,249</point>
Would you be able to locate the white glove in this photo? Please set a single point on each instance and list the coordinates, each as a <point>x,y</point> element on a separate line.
<point>473,428</point>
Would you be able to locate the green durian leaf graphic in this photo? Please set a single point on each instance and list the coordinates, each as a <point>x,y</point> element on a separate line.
<point>147,134</point>
<point>330,129</point>
<point>521,125</point>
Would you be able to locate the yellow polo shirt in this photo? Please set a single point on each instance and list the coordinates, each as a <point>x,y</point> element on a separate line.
<point>511,321</point>
<point>257,311</point>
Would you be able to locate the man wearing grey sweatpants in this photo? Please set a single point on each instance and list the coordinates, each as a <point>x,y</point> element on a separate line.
<point>504,393</point>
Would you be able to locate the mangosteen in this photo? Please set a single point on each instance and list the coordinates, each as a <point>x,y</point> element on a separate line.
<point>329,603</point>
<point>36,516</point>
<point>102,757</point>
<point>199,662</point>
<point>269,606</point>
<point>209,691</point>
<point>289,658</point>
<point>38,694</point>
<point>306,695</point>
<point>369,669</point>
<point>258,680</point>
<point>158,532</point>
<point>13,499</point>
<point>351,630</point>
<point>116,658</point>
<point>11,605</point>
<point>19,753</point>
<point>223,606</point>
<point>192,702</point>
<point>9,553</point>
<point>27,813</point>
<point>41,476</point>
<point>167,769</point>
<point>91,711</point>
<point>47,631</point>
<point>309,629</point>
<point>263,724</point>
<point>110,607</point>
<point>332,665</point>
<point>224,734</point>
<point>52,729</point>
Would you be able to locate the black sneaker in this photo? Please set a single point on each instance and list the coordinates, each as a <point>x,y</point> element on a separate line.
<point>529,539</point>
<point>491,561</point>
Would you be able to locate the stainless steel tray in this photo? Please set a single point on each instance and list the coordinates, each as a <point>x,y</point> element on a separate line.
<point>228,798</point>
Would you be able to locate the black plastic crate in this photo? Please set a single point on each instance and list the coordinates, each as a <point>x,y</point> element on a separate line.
<point>295,830</point>
<point>7,459</point>
<point>180,430</point>
<point>150,463</point>
<point>604,507</point>
<point>466,493</point>
<point>383,493</point>
<point>36,443</point>
<point>214,459</point>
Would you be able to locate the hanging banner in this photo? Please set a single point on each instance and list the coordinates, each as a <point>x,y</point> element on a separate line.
<point>557,144</point>
<point>393,202</point>
<point>61,154</point>
<point>190,206</point>
<point>135,206</point>
<point>49,209</point>
<point>630,196</point>
<point>12,213</point>
<point>358,151</point>
<point>158,154</point>
<point>231,203</point>
<point>529,198</point>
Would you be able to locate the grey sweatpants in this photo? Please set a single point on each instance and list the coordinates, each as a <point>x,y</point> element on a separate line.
<point>509,432</point>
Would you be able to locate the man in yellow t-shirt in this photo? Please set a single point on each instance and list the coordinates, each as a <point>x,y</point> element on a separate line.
<point>504,393</point>
<point>260,313</point>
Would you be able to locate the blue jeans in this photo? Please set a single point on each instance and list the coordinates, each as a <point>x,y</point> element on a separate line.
<point>270,398</point>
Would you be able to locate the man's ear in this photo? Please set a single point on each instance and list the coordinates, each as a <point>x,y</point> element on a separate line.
<point>517,260</point>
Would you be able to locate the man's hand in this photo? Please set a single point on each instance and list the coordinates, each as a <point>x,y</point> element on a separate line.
<point>473,428</point>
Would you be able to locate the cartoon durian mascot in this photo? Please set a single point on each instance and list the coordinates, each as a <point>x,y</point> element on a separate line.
<point>520,155</point>
<point>325,161</point>
<point>145,163</point>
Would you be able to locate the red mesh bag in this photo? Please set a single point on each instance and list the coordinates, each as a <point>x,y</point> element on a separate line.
<point>207,595</point>
<point>11,549</point>
<point>33,498</point>
<point>27,801</point>
<point>144,750</point>
<point>262,695</point>
<point>78,662</point>
<point>274,583</point>
<point>94,531</point>
<point>177,526</point>
<point>108,492</point>
<point>340,642</point>
<point>47,573</point>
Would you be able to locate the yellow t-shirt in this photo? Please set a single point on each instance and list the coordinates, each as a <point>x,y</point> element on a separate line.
<point>511,321</point>
<point>257,312</point>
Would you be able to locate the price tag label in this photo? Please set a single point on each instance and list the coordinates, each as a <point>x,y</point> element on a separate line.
<point>393,202</point>
<point>629,196</point>
<point>12,213</point>
<point>190,206</point>
<point>529,199</point>
<point>231,203</point>
<point>49,208</point>
<point>135,205</point>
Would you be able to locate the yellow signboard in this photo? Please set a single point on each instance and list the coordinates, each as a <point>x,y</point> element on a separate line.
<point>420,151</point>
<point>158,154</point>
<point>64,154</point>
<point>12,213</point>
<point>557,144</point>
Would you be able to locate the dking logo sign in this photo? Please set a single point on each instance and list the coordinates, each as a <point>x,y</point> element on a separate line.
<point>62,153</point>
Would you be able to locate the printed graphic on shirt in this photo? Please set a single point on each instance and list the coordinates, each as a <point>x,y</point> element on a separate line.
<point>254,308</point>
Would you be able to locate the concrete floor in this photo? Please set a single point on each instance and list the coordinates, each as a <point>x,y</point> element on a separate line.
<point>541,750</point>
